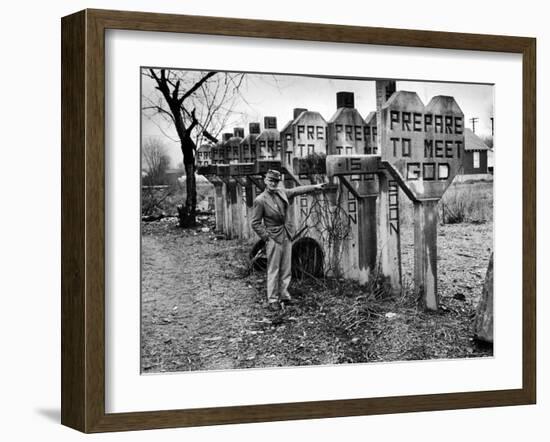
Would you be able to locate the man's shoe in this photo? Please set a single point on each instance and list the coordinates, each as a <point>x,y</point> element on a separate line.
<point>289,301</point>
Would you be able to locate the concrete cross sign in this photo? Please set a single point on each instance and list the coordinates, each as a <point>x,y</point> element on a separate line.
<point>348,135</point>
<point>305,135</point>
<point>423,145</point>
<point>423,148</point>
<point>268,143</point>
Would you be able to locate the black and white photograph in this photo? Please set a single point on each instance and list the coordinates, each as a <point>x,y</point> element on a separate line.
<point>248,221</point>
<point>292,220</point>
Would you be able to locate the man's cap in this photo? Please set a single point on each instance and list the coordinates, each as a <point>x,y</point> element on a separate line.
<point>273,175</point>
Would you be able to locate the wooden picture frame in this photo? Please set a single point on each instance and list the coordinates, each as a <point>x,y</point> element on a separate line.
<point>83,220</point>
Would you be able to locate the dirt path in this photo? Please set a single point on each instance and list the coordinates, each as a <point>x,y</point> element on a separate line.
<point>190,318</point>
<point>202,309</point>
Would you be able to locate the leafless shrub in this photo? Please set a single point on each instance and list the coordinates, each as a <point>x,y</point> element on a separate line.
<point>154,199</point>
<point>329,222</point>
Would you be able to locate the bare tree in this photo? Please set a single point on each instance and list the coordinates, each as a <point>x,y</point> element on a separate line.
<point>198,105</point>
<point>155,161</point>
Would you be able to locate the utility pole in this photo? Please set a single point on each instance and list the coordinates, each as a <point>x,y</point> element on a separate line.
<point>492,126</point>
<point>473,121</point>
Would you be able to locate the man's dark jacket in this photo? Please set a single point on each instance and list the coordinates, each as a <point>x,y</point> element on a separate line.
<point>276,223</point>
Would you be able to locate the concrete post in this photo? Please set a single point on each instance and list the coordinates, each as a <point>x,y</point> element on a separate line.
<point>364,192</point>
<point>390,252</point>
<point>347,136</point>
<point>227,212</point>
<point>219,204</point>
<point>425,252</point>
<point>390,239</point>
<point>367,238</point>
<point>236,195</point>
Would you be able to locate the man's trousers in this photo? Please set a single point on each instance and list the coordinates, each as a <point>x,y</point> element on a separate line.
<point>279,260</point>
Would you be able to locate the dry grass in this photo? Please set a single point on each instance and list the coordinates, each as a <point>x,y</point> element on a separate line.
<point>165,199</point>
<point>371,325</point>
<point>465,202</point>
<point>470,202</point>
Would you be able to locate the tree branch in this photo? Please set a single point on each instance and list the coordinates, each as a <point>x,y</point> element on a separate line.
<point>160,110</point>
<point>197,85</point>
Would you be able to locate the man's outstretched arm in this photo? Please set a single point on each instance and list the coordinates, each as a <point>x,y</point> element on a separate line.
<point>302,190</point>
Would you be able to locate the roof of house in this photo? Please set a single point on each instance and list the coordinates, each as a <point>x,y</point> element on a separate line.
<point>473,142</point>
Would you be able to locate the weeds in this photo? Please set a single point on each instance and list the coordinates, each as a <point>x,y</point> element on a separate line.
<point>469,202</point>
<point>166,199</point>
<point>153,199</point>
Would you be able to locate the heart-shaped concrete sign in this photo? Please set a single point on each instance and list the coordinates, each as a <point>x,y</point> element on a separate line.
<point>423,145</point>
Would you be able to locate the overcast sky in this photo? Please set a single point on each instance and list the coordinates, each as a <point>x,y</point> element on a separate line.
<point>268,95</point>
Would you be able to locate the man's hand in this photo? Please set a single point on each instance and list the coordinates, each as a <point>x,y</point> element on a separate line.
<point>322,187</point>
<point>310,188</point>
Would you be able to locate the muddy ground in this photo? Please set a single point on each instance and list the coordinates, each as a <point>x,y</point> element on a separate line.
<point>203,307</point>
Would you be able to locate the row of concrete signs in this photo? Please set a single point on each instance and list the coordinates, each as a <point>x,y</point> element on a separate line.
<point>421,151</point>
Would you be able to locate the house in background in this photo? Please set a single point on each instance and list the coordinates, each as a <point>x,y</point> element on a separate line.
<point>475,154</point>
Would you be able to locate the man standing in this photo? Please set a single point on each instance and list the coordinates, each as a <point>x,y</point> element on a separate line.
<point>277,230</point>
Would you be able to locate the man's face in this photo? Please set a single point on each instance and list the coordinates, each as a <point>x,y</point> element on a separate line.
<point>271,184</point>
